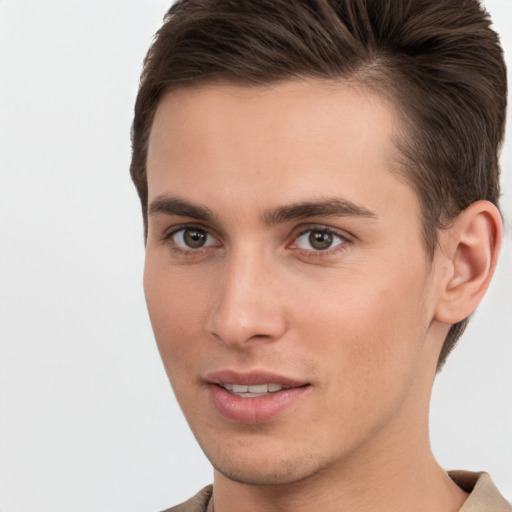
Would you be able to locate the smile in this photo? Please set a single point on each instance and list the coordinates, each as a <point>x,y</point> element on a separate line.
<point>254,391</point>
<point>254,396</point>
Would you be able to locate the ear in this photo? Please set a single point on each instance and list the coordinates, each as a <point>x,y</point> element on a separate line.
<point>469,250</point>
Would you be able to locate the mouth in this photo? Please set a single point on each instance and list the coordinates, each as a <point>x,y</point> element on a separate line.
<point>252,391</point>
<point>253,397</point>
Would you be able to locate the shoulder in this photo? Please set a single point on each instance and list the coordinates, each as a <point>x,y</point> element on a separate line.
<point>198,503</point>
<point>484,496</point>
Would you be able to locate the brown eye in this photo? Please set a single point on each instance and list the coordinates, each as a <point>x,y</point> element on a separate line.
<point>320,240</point>
<point>194,238</point>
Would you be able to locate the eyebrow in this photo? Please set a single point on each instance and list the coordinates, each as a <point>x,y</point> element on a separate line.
<point>328,207</point>
<point>165,205</point>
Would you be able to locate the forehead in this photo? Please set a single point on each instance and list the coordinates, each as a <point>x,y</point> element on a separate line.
<point>284,112</point>
<point>279,140</point>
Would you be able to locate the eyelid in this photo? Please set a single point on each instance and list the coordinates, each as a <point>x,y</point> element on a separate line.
<point>304,228</point>
<point>346,238</point>
<point>172,230</point>
<point>167,238</point>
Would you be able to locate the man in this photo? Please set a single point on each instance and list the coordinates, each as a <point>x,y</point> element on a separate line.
<point>319,183</point>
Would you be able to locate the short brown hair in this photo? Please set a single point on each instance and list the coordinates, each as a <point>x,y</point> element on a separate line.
<point>438,61</point>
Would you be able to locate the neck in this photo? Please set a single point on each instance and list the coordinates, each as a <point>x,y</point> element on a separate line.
<point>394,472</point>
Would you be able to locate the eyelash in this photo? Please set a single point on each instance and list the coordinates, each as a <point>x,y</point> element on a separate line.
<point>167,239</point>
<point>345,240</point>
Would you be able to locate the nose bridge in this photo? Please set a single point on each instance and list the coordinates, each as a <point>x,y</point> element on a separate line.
<point>247,307</point>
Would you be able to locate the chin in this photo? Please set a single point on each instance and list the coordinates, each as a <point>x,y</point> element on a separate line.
<point>286,473</point>
<point>267,470</point>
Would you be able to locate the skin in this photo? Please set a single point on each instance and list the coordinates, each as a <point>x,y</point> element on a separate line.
<point>361,322</point>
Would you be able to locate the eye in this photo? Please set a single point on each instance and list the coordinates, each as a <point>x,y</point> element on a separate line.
<point>318,239</point>
<point>192,238</point>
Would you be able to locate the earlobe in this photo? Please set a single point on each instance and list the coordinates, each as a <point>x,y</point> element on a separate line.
<point>471,248</point>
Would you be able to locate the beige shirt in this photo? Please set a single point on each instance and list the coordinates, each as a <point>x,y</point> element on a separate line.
<point>484,497</point>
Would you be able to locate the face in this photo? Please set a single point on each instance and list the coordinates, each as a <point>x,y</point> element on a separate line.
<point>286,277</point>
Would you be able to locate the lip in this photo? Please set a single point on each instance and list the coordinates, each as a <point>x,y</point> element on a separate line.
<point>251,378</point>
<point>255,409</point>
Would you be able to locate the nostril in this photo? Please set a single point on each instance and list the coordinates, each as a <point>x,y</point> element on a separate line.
<point>238,331</point>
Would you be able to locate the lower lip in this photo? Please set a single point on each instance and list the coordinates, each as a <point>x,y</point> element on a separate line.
<point>255,409</point>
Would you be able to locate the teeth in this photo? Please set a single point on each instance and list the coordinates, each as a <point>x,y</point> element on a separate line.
<point>260,388</point>
<point>255,390</point>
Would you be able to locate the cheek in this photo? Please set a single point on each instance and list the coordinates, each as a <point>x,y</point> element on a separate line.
<point>177,313</point>
<point>374,329</point>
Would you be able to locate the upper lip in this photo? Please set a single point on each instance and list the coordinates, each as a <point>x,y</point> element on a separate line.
<point>251,378</point>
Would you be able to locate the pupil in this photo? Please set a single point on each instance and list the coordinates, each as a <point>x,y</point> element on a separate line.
<point>194,238</point>
<point>320,240</point>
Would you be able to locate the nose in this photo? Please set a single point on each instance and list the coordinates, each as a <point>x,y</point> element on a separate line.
<point>248,306</point>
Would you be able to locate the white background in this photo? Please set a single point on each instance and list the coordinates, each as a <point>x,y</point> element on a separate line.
<point>87,419</point>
